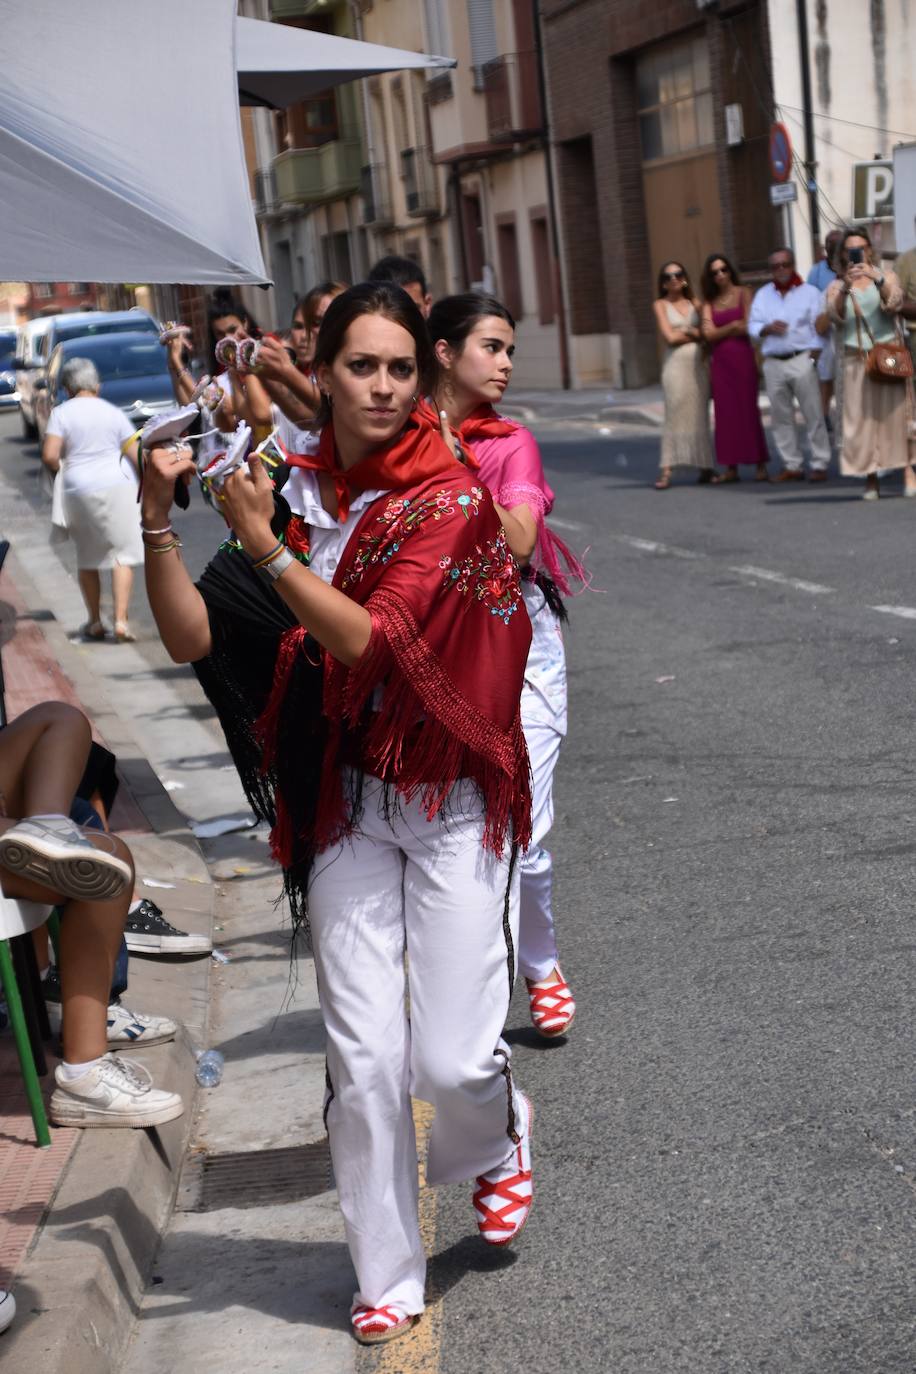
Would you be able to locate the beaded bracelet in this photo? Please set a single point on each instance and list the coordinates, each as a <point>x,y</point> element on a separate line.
<point>269,558</point>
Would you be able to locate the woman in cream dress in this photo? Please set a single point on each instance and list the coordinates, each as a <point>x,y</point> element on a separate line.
<point>685,379</point>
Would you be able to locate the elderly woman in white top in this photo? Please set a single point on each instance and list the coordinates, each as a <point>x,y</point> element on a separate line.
<point>88,443</point>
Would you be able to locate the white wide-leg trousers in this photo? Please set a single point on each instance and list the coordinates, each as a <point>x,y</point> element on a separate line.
<point>406,884</point>
<point>537,945</point>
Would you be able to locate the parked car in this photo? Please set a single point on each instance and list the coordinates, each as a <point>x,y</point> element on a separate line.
<point>9,396</point>
<point>39,338</point>
<point>132,369</point>
<point>28,342</point>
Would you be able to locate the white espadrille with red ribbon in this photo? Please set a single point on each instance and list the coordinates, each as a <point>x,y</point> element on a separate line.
<point>503,1196</point>
<point>552,1007</point>
<point>372,1325</point>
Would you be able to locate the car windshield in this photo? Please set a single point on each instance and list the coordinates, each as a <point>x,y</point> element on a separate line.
<point>85,327</point>
<point>7,350</point>
<point>117,359</point>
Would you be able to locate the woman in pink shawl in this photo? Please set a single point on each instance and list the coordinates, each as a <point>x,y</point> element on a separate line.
<point>474,338</point>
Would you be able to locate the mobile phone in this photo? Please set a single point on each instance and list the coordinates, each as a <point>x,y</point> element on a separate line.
<point>856,255</point>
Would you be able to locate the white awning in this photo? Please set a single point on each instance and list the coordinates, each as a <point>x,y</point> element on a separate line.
<point>120,144</point>
<point>278,64</point>
<point>121,155</point>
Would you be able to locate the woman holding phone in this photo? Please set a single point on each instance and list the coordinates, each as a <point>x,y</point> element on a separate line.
<point>864,303</point>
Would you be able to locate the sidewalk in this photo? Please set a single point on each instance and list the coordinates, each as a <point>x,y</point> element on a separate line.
<point>116,1281</point>
<point>80,1221</point>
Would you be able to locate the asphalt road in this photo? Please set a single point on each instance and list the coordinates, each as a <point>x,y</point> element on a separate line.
<point>724,1150</point>
<point>725,1155</point>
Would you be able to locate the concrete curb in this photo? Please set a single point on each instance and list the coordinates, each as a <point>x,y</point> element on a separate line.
<point>79,1290</point>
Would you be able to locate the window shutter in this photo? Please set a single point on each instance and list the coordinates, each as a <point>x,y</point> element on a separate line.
<point>483,35</point>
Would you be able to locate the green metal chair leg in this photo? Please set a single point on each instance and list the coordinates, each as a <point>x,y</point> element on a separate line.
<point>23,1048</point>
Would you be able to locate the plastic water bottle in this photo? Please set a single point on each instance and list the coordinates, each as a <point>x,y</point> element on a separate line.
<point>209,1071</point>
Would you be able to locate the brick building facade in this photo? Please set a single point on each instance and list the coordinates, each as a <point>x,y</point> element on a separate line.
<point>638,94</point>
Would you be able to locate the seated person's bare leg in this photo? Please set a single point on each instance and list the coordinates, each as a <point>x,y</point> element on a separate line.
<point>43,754</point>
<point>90,935</point>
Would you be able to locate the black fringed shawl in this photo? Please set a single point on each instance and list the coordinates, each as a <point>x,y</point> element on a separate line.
<point>248,621</point>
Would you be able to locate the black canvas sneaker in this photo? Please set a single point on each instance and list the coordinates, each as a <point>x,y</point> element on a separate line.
<point>148,932</point>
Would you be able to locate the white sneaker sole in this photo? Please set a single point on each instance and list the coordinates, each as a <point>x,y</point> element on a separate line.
<point>140,1042</point>
<point>68,1112</point>
<point>7,1312</point>
<point>93,876</point>
<point>168,944</point>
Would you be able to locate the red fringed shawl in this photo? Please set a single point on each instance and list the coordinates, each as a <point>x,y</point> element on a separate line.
<point>450,638</point>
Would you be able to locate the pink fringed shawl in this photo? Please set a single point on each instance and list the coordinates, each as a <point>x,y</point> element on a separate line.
<point>509,463</point>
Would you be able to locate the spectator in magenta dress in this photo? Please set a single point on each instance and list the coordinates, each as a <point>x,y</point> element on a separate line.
<point>733,370</point>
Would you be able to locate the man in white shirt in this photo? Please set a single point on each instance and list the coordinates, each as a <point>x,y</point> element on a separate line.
<point>782,322</point>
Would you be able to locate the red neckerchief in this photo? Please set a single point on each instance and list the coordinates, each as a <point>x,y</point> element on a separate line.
<point>416,455</point>
<point>794,280</point>
<point>483,423</point>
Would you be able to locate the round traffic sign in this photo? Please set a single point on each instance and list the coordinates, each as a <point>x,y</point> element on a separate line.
<point>780,152</point>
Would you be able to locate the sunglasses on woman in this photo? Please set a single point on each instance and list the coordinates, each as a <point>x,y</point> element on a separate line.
<point>672,276</point>
<point>721,272</point>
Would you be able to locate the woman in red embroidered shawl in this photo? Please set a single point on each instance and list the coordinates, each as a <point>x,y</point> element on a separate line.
<point>474,339</point>
<point>396,780</point>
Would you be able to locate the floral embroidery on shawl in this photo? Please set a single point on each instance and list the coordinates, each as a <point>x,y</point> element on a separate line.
<point>489,574</point>
<point>400,518</point>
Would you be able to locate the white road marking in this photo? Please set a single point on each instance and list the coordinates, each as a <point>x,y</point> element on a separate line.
<point>797,583</point>
<point>905,612</point>
<point>566,525</point>
<point>652,546</point>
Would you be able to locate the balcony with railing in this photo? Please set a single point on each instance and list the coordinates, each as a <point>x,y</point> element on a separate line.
<point>375,189</point>
<point>421,187</point>
<point>310,175</point>
<point>512,92</point>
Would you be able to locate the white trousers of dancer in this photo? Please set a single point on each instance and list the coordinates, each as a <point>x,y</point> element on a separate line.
<point>544,723</point>
<point>425,888</point>
<point>537,945</point>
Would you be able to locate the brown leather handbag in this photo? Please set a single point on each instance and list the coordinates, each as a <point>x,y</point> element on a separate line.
<point>884,362</point>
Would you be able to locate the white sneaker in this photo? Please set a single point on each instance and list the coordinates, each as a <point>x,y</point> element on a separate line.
<point>58,854</point>
<point>115,1092</point>
<point>7,1309</point>
<point>126,1027</point>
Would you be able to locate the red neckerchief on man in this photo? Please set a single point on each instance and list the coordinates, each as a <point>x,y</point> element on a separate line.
<point>794,280</point>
